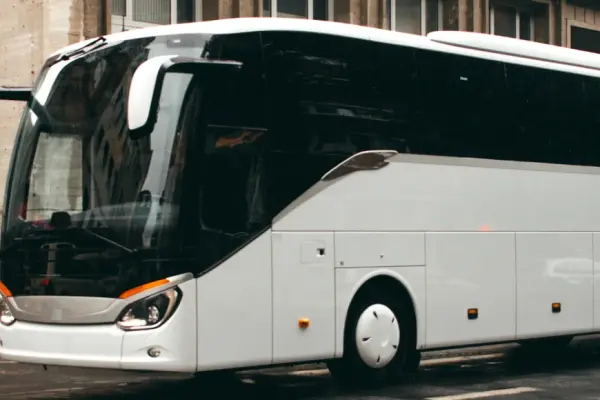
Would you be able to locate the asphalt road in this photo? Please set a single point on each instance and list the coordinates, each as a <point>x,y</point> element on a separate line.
<point>502,372</point>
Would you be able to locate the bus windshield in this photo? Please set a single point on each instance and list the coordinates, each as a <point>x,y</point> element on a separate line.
<point>76,168</point>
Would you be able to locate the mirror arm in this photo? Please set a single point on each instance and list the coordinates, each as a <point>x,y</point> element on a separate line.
<point>15,93</point>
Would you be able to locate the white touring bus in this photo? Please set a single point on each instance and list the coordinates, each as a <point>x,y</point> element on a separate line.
<point>254,192</point>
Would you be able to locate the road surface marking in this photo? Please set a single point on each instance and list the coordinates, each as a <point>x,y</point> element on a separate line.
<point>455,360</point>
<point>425,363</point>
<point>8,362</point>
<point>486,394</point>
<point>46,391</point>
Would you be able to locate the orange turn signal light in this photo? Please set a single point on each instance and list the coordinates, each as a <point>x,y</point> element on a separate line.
<point>4,290</point>
<point>472,313</point>
<point>142,288</point>
<point>303,323</point>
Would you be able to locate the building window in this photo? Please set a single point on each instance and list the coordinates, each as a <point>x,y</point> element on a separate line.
<point>186,11</point>
<point>311,9</point>
<point>117,7</point>
<point>583,38</point>
<point>152,11</point>
<point>422,16</point>
<point>292,9</point>
<point>133,14</point>
<point>530,23</point>
<point>407,16</point>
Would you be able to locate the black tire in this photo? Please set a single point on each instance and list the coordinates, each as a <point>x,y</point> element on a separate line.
<point>413,360</point>
<point>351,370</point>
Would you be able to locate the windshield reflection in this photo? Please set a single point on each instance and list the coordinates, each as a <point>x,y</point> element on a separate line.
<point>76,156</point>
<point>78,180</point>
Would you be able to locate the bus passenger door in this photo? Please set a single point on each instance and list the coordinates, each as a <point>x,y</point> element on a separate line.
<point>303,296</point>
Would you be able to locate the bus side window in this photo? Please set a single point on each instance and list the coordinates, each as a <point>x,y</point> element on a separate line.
<point>338,93</point>
<point>465,106</point>
<point>546,107</point>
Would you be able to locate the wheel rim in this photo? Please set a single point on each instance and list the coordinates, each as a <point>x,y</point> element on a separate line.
<point>377,336</point>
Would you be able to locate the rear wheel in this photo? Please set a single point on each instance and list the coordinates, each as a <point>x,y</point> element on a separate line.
<point>378,341</point>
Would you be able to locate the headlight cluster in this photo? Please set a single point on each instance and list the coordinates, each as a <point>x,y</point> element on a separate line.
<point>6,316</point>
<point>150,312</point>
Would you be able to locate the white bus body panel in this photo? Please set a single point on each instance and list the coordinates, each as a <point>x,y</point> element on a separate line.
<point>555,268</point>
<point>303,287</point>
<point>506,238</point>
<point>235,310</point>
<point>95,346</point>
<point>470,270</point>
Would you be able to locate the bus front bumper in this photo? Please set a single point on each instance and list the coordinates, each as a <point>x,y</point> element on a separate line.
<point>95,346</point>
<point>169,347</point>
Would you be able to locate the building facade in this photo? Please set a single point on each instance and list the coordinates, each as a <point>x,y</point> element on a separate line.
<point>570,23</point>
<point>32,29</point>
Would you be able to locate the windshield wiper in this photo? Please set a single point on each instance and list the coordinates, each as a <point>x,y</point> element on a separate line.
<point>91,46</point>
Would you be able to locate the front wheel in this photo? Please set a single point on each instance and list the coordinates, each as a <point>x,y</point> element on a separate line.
<point>379,341</point>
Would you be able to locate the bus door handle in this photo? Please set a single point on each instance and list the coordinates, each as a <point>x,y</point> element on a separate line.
<point>313,252</point>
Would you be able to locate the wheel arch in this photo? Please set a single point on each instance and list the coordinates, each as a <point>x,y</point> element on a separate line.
<point>381,280</point>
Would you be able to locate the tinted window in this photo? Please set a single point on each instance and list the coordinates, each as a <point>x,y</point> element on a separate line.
<point>487,109</point>
<point>339,95</point>
<point>547,111</point>
<point>333,96</point>
<point>238,100</point>
<point>464,107</point>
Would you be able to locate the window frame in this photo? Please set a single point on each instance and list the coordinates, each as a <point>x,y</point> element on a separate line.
<point>490,20</point>
<point>518,13</point>
<point>126,22</point>
<point>440,16</point>
<point>310,9</point>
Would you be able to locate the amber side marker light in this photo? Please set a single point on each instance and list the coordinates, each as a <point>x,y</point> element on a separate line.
<point>556,307</point>
<point>5,291</point>
<point>303,323</point>
<point>142,288</point>
<point>472,313</point>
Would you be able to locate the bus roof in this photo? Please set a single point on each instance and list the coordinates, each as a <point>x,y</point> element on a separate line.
<point>479,45</point>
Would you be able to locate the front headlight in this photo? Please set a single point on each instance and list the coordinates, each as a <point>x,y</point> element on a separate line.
<point>150,312</point>
<point>6,316</point>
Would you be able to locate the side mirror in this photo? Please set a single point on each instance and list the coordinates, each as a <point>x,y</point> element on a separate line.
<point>147,82</point>
<point>15,93</point>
